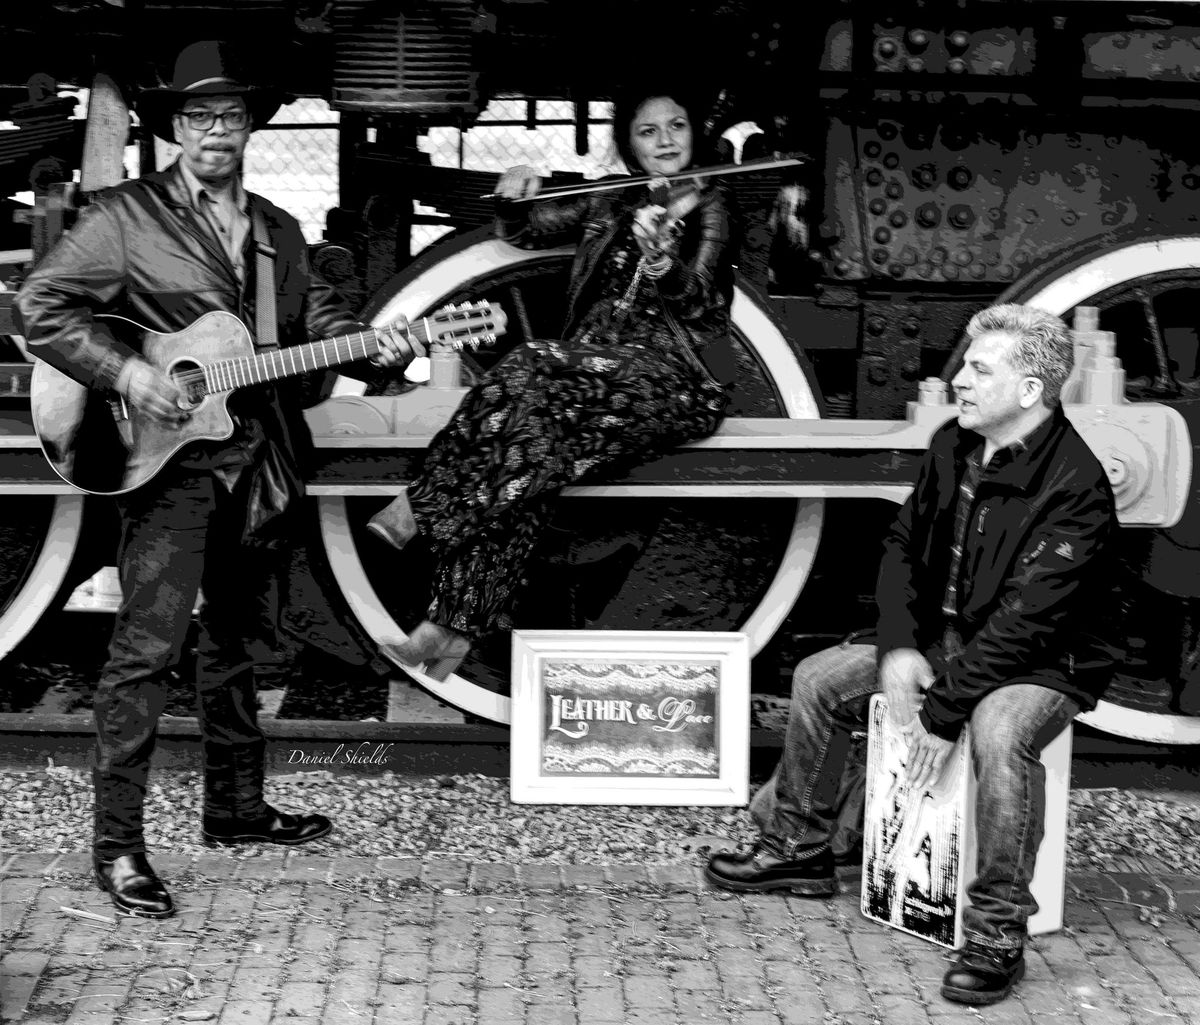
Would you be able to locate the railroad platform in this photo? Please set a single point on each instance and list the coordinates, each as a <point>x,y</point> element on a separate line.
<point>302,939</point>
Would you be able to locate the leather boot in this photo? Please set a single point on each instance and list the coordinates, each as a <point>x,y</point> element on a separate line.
<point>273,827</point>
<point>133,887</point>
<point>436,650</point>
<point>233,782</point>
<point>811,873</point>
<point>982,975</point>
<point>395,523</point>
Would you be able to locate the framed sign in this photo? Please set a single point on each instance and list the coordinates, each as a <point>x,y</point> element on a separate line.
<point>630,717</point>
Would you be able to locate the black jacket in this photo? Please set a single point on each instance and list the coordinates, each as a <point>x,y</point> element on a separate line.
<point>1034,592</point>
<point>698,289</point>
<point>140,252</point>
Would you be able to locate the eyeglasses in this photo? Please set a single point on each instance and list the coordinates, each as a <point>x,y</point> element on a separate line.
<point>203,120</point>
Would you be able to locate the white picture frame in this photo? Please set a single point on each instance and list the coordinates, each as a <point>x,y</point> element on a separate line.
<point>602,717</point>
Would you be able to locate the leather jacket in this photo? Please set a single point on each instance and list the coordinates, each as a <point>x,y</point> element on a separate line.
<point>140,251</point>
<point>696,292</point>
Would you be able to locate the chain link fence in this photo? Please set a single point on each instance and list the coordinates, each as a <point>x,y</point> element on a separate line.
<point>540,133</point>
<point>293,160</point>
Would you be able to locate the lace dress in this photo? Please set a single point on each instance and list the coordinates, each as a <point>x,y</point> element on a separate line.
<point>622,390</point>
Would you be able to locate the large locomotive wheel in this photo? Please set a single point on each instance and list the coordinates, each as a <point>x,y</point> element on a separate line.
<point>1146,289</point>
<point>718,564</point>
<point>38,535</point>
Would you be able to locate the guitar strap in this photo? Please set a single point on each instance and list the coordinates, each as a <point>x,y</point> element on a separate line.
<point>266,334</point>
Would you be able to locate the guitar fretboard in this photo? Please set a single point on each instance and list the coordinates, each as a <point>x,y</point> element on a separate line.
<point>273,364</point>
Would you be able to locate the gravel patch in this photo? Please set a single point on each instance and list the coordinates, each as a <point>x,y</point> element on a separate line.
<point>470,818</point>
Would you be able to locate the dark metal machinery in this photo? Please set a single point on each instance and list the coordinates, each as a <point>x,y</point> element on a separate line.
<point>959,153</point>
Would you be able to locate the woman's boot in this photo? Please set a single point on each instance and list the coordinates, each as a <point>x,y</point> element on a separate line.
<point>395,522</point>
<point>437,650</point>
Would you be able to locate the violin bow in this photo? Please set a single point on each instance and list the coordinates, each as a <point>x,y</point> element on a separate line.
<point>764,164</point>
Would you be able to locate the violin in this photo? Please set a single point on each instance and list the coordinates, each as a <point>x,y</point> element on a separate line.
<point>765,164</point>
<point>659,223</point>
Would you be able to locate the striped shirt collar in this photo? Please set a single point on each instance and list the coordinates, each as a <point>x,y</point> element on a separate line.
<point>198,191</point>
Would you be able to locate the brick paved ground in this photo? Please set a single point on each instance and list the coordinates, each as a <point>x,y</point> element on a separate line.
<point>301,939</point>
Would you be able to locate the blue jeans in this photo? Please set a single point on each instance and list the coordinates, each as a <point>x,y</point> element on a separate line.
<point>1010,726</point>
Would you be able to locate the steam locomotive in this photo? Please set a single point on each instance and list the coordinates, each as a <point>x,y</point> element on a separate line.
<point>955,155</point>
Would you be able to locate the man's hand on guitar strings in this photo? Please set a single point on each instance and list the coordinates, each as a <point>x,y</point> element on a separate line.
<point>397,347</point>
<point>151,392</point>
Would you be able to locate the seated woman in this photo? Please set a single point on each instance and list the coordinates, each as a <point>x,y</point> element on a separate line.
<point>645,364</point>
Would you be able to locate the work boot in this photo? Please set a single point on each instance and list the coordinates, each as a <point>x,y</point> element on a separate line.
<point>810,873</point>
<point>983,975</point>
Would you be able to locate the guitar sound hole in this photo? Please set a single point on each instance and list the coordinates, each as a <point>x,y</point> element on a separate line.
<point>189,376</point>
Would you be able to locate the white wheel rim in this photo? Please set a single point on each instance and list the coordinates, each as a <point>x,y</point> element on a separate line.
<point>454,274</point>
<point>39,588</point>
<point>1156,727</point>
<point>1117,267</point>
<point>1076,287</point>
<point>49,571</point>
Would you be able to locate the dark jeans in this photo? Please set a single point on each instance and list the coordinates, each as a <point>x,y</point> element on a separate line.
<point>182,531</point>
<point>798,806</point>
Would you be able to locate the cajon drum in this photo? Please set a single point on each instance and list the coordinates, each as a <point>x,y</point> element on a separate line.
<point>919,849</point>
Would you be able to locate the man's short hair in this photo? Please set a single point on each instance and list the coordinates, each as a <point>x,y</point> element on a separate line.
<point>1044,346</point>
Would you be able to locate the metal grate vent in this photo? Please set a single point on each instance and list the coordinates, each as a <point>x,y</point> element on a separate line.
<point>404,55</point>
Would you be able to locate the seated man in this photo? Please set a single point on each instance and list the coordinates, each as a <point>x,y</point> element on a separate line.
<point>993,572</point>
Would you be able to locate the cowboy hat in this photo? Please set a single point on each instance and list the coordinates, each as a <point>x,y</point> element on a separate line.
<point>207,68</point>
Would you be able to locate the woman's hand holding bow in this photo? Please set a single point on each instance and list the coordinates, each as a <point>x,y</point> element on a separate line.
<point>520,182</point>
<point>655,239</point>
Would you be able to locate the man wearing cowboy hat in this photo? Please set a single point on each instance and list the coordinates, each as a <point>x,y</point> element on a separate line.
<point>162,251</point>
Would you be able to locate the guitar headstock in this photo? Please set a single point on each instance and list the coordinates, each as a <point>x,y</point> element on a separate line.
<point>462,325</point>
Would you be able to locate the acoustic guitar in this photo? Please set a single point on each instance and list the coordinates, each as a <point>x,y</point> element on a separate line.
<point>98,444</point>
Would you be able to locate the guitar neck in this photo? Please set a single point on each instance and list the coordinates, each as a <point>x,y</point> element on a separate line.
<point>273,364</point>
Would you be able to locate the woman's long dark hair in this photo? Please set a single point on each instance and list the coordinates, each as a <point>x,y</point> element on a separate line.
<point>625,107</point>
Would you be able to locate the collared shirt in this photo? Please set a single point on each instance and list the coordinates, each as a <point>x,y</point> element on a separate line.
<point>239,451</point>
<point>232,236</point>
<point>973,474</point>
